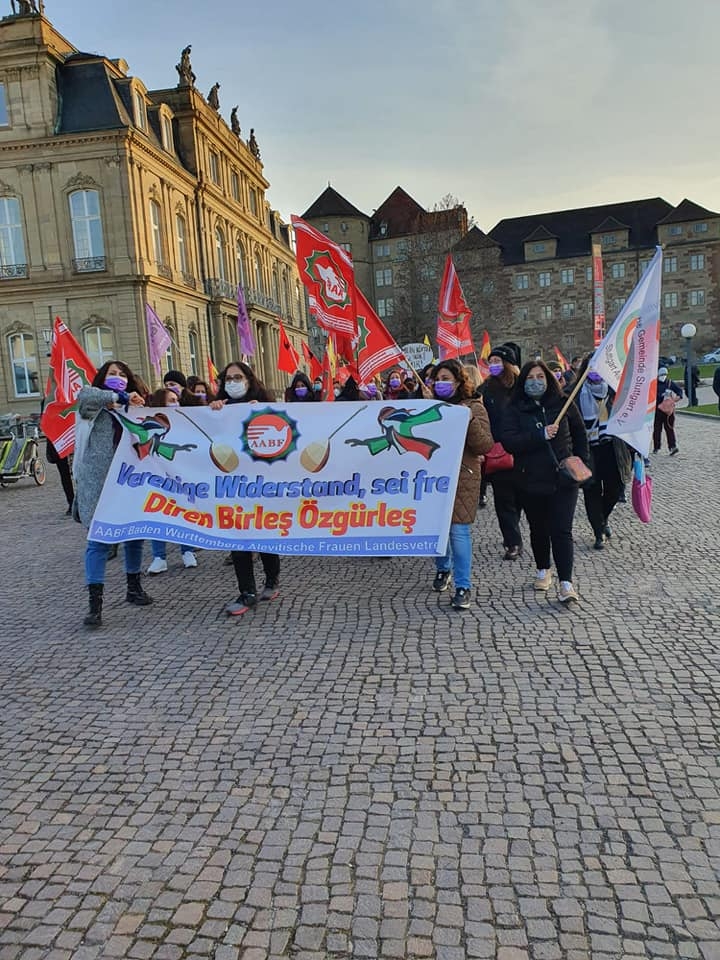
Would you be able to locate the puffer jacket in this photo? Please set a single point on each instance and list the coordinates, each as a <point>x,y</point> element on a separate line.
<point>478,441</point>
<point>523,435</point>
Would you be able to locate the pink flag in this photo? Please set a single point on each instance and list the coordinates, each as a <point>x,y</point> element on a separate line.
<point>247,344</point>
<point>158,338</point>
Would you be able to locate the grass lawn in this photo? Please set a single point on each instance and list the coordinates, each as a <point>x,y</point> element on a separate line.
<point>706,408</point>
<point>707,371</point>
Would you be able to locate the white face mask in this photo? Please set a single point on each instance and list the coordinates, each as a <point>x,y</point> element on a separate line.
<point>236,390</point>
<point>337,391</point>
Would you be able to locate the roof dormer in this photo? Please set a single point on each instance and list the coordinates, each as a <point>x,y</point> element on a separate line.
<point>611,234</point>
<point>540,244</point>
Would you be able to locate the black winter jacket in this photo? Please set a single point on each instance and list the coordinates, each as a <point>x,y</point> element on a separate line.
<point>523,434</point>
<point>496,397</point>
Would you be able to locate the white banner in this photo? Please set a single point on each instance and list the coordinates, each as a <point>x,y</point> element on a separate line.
<point>368,479</point>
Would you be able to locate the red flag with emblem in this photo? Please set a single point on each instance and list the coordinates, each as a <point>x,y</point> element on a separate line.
<point>312,362</point>
<point>70,370</point>
<point>453,331</point>
<point>376,351</point>
<point>288,359</point>
<point>327,272</point>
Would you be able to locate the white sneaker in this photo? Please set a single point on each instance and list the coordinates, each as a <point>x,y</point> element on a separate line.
<point>566,592</point>
<point>543,580</point>
<point>189,559</point>
<point>158,565</point>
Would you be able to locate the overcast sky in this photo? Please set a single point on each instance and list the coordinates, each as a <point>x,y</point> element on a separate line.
<point>513,106</point>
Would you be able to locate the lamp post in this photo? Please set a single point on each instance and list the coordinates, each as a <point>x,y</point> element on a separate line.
<point>687,332</point>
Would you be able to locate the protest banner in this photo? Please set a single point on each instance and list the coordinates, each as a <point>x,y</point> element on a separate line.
<point>367,479</point>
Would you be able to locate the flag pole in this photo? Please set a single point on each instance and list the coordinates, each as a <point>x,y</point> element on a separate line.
<point>575,390</point>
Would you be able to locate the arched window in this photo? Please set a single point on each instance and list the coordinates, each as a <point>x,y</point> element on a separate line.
<point>194,352</point>
<point>23,359</point>
<point>170,353</point>
<point>240,258</point>
<point>275,286</point>
<point>259,274</point>
<point>181,233</point>
<point>285,293</point>
<point>156,228</point>
<point>13,262</point>
<point>87,231</point>
<point>221,254</point>
<point>98,343</point>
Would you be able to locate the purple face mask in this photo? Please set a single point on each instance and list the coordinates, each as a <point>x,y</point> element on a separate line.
<point>114,382</point>
<point>301,391</point>
<point>594,377</point>
<point>444,389</point>
<point>394,383</point>
<point>371,390</point>
<point>496,369</point>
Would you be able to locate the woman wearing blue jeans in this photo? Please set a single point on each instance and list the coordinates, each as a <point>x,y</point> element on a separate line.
<point>452,386</point>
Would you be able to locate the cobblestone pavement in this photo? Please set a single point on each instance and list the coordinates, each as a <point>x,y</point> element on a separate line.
<point>355,770</point>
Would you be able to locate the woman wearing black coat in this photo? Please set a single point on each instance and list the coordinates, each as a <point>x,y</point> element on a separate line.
<point>538,445</point>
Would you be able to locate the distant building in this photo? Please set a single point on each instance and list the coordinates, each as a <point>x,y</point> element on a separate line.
<point>111,196</point>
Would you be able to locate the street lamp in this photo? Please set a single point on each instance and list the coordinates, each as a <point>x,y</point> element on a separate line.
<point>687,332</point>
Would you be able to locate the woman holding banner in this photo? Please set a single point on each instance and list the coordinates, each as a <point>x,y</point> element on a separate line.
<point>238,384</point>
<point>540,433</point>
<point>452,386</point>
<point>96,437</point>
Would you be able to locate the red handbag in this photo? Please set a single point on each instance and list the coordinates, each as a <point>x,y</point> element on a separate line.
<point>496,459</point>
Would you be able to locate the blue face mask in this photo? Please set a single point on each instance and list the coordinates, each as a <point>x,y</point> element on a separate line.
<point>535,388</point>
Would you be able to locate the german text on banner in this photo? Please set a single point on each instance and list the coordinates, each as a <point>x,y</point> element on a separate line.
<point>365,479</point>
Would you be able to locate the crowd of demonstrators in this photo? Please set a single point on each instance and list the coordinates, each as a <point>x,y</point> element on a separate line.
<point>519,408</point>
<point>668,393</point>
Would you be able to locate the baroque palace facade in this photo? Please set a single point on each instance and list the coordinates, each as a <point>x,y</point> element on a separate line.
<point>529,279</point>
<point>113,196</point>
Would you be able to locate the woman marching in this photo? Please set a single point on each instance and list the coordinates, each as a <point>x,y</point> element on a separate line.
<point>238,384</point>
<point>538,445</point>
<point>113,388</point>
<point>452,386</point>
<point>496,392</point>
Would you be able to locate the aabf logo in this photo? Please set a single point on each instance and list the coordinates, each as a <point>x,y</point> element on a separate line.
<point>322,269</point>
<point>269,435</point>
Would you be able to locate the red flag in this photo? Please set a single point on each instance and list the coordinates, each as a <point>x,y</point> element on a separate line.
<point>327,272</point>
<point>70,370</point>
<point>329,369</point>
<point>377,351</point>
<point>288,359</point>
<point>312,362</point>
<point>561,359</point>
<point>212,375</point>
<point>485,346</point>
<point>453,331</point>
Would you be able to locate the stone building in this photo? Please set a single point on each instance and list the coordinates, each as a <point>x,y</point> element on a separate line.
<point>113,196</point>
<point>399,254</point>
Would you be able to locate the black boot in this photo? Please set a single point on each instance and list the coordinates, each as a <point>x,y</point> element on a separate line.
<point>135,593</point>
<point>94,617</point>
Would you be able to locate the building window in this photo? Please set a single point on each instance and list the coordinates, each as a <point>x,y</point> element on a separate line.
<point>382,249</point>
<point>326,228</point>
<point>403,248</point>
<point>386,307</point>
<point>696,298</point>
<point>670,264</point>
<point>643,265</point>
<point>259,285</point>
<point>194,352</point>
<point>522,281</point>
<point>617,305</point>
<point>235,186</point>
<point>181,229</point>
<point>214,167</point>
<point>156,229</point>
<point>12,242</point>
<point>169,355</point>
<point>521,314</point>
<point>240,263</point>
<point>383,278</point>
<point>140,111</point>
<point>285,290</point>
<point>617,271</point>
<point>538,248</point>
<point>697,261</point>
<point>221,254</point>
<point>670,300</point>
<point>543,279</point>
<point>98,343</point>
<point>254,202</point>
<point>567,310</point>
<point>23,358</point>
<point>700,228</point>
<point>426,303</point>
<point>275,286</point>
<point>589,274</point>
<point>347,247</point>
<point>167,133</point>
<point>608,239</point>
<point>569,340</point>
<point>4,118</point>
<point>567,276</point>
<point>546,312</point>
<point>675,230</point>
<point>87,230</point>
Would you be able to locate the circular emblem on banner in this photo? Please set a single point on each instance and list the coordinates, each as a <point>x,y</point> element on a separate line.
<point>269,435</point>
